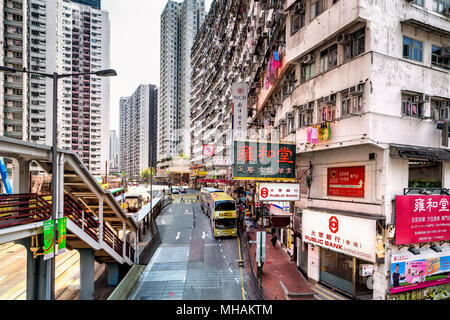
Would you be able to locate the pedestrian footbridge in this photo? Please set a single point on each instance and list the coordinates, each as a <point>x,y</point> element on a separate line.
<point>96,224</point>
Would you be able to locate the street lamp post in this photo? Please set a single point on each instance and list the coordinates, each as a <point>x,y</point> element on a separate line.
<point>50,281</point>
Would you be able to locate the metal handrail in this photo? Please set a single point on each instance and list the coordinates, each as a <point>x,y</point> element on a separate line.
<point>20,209</point>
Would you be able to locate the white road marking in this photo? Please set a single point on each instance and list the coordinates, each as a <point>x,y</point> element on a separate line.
<point>230,270</point>
<point>236,280</point>
<point>178,236</point>
<point>221,250</point>
<point>203,236</point>
<point>184,279</point>
<point>1,279</point>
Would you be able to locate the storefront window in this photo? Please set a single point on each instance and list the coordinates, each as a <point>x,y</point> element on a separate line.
<point>363,284</point>
<point>336,269</point>
<point>425,174</point>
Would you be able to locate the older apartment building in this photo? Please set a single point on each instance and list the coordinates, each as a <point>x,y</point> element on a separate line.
<point>362,88</point>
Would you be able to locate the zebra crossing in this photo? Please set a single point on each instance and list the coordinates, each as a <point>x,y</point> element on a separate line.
<point>185,200</point>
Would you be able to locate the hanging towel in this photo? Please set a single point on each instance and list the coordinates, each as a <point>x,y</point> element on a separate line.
<point>314,135</point>
<point>308,135</point>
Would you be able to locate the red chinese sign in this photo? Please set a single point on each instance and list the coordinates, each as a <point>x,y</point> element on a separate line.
<point>346,182</point>
<point>422,219</point>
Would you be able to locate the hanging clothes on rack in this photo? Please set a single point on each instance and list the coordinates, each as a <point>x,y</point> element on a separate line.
<point>308,134</point>
<point>314,135</point>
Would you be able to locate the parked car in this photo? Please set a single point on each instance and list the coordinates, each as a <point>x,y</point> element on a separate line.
<point>175,190</point>
<point>182,190</point>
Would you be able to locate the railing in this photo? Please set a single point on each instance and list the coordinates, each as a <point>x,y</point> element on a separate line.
<point>20,209</point>
<point>81,216</point>
<point>113,241</point>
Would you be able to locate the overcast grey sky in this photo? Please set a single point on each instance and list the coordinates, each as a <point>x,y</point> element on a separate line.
<point>135,26</point>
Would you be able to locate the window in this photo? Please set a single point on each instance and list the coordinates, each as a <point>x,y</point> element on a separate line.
<point>439,5</point>
<point>356,45</point>
<point>412,49</point>
<point>328,58</point>
<point>418,2</point>
<point>438,59</point>
<point>307,72</point>
<point>352,103</point>
<point>327,112</point>
<point>297,21</point>
<point>305,115</point>
<point>425,174</point>
<point>411,106</point>
<point>440,109</point>
<point>317,7</point>
<point>290,125</point>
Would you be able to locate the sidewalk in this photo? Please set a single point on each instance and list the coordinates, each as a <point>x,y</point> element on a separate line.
<point>278,268</point>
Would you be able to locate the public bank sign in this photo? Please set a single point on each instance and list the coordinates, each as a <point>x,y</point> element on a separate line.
<point>279,191</point>
<point>349,235</point>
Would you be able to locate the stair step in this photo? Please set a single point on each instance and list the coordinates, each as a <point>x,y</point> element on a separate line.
<point>327,294</point>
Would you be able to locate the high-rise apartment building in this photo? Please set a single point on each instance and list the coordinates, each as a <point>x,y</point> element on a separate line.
<point>114,152</point>
<point>180,23</point>
<point>13,91</point>
<point>65,37</point>
<point>137,130</point>
<point>92,3</point>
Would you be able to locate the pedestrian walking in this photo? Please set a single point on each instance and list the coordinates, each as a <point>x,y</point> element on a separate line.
<point>274,240</point>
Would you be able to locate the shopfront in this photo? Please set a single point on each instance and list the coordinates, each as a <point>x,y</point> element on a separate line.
<point>347,246</point>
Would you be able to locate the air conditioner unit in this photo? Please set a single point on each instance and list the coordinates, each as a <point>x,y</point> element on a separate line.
<point>290,114</point>
<point>353,89</point>
<point>341,38</point>
<point>424,98</point>
<point>329,99</point>
<point>282,122</point>
<point>308,58</point>
<point>299,7</point>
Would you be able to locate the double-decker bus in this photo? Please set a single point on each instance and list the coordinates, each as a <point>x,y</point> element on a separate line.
<point>119,195</point>
<point>221,210</point>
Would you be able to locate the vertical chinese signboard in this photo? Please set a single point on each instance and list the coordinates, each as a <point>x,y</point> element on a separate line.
<point>240,110</point>
<point>346,182</point>
<point>259,160</point>
<point>422,219</point>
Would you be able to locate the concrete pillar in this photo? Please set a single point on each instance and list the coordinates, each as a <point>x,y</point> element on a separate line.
<point>36,271</point>
<point>21,176</point>
<point>113,274</point>
<point>124,239</point>
<point>61,186</point>
<point>100,219</point>
<point>87,274</point>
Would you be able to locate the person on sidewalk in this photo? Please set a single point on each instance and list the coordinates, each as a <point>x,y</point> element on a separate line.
<point>274,240</point>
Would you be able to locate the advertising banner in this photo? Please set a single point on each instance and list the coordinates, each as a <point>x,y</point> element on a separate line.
<point>264,161</point>
<point>62,235</point>
<point>221,161</point>
<point>49,236</point>
<point>346,182</point>
<point>279,191</point>
<point>410,272</point>
<point>239,93</point>
<point>348,235</point>
<point>208,150</point>
<point>422,219</point>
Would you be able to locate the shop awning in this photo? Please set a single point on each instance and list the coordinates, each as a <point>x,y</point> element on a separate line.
<point>277,221</point>
<point>422,153</point>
